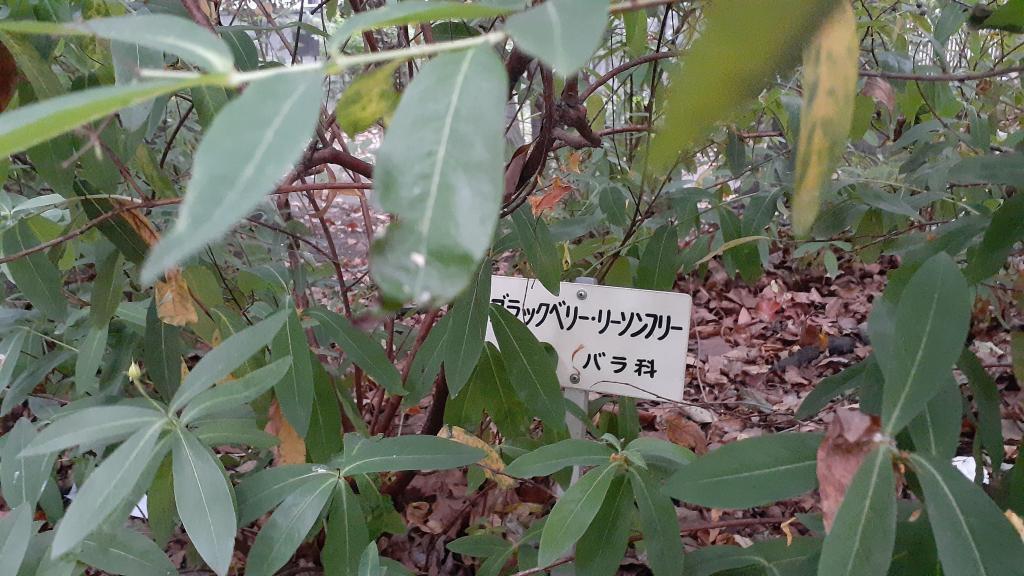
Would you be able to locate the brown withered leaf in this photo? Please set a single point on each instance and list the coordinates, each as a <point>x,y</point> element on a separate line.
<point>142,226</point>
<point>685,432</point>
<point>850,437</point>
<point>559,188</point>
<point>879,90</point>
<point>292,449</point>
<point>8,77</point>
<point>174,303</point>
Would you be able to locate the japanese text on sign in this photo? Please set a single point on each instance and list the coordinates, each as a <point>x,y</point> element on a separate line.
<point>610,340</point>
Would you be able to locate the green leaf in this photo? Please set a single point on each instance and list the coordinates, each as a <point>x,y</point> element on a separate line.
<point>540,251</point>
<point>90,355</point>
<point>359,348</point>
<point>31,65</point>
<point>656,451</point>
<point>295,391</point>
<point>489,389</point>
<point>740,251</point>
<point>562,33</point>
<point>750,472</point>
<point>237,432</point>
<point>107,289</point>
<point>410,13</point>
<point>972,535</point>
<point>660,260</point>
<point>775,557</point>
<point>931,324</point>
<point>369,561</point>
<point>15,534</point>
<point>479,545</point>
<point>10,348</point>
<point>93,426</point>
<point>237,392</point>
<point>162,353</point>
<point>23,477</point>
<point>264,490</point>
<point>864,532</point>
<point>574,511</point>
<point>602,547</point>
<point>534,368</point>
<point>36,277</point>
<point>370,98</point>
<point>243,49</point>
<point>754,43</point>
<point>635,23</point>
<point>162,514</point>
<point>658,523</point>
<point>427,363</point>
<point>831,64</point>
<point>205,505</point>
<point>222,360</point>
<point>439,171</point>
<point>125,551</point>
<point>1009,17</point>
<point>27,126</point>
<point>1005,230</point>
<point>170,34</point>
<point>462,347</point>
<point>936,430</point>
<point>551,458</point>
<point>346,533</point>
<point>288,527</point>
<point>229,181</point>
<point>369,455</point>
<point>107,487</point>
<point>324,438</point>
<point>128,60</point>
<point>31,377</point>
<point>986,399</point>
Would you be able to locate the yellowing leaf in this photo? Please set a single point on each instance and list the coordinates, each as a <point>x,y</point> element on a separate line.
<point>292,449</point>
<point>142,226</point>
<point>1018,523</point>
<point>173,301</point>
<point>559,188</point>
<point>493,464</point>
<point>830,89</point>
<point>573,164</point>
<point>371,97</point>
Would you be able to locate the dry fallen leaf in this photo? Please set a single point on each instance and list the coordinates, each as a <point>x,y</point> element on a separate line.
<point>850,436</point>
<point>292,449</point>
<point>492,463</point>
<point>173,301</point>
<point>559,188</point>
<point>685,432</point>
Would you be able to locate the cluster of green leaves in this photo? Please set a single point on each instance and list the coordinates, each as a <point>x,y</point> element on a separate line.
<point>926,172</point>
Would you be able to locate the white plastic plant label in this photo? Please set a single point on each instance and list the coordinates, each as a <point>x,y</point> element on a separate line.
<point>610,340</point>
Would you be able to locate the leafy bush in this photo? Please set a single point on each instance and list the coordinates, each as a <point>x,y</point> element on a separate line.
<point>184,322</point>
